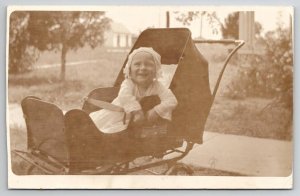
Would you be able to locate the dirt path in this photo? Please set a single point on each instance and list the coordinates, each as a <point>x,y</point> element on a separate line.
<point>15,116</point>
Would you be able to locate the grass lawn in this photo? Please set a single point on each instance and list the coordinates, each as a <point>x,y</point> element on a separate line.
<point>80,80</point>
<point>247,117</point>
<point>240,117</point>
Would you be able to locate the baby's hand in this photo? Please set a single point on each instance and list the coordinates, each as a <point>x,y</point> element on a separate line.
<point>138,117</point>
<point>152,116</point>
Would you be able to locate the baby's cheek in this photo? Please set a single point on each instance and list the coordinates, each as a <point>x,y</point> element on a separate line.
<point>153,73</point>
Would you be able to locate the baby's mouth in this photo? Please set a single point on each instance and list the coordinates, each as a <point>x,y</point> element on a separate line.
<point>142,74</point>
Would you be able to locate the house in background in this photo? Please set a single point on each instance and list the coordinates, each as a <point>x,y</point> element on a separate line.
<point>118,38</point>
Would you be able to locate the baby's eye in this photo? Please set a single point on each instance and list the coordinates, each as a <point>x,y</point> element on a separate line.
<point>136,63</point>
<point>149,64</point>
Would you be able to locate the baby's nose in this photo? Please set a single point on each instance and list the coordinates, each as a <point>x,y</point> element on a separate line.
<point>143,66</point>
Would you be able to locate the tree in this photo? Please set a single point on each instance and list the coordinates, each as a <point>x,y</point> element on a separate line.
<point>187,17</point>
<point>58,30</point>
<point>270,74</point>
<point>21,54</point>
<point>258,29</point>
<point>230,29</point>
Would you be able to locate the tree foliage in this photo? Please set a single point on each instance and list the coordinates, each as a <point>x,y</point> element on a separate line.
<point>53,30</point>
<point>21,54</point>
<point>230,28</point>
<point>270,74</point>
<point>187,17</point>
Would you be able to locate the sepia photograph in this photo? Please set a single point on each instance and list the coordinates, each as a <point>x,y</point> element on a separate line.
<point>156,97</point>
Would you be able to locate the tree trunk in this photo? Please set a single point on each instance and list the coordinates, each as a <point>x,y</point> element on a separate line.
<point>168,19</point>
<point>63,63</point>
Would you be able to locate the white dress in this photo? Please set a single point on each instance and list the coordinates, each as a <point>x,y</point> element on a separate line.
<point>112,122</point>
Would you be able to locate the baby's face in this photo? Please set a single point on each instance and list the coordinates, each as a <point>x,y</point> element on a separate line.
<point>142,69</point>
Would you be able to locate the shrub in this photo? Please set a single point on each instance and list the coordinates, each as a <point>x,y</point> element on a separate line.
<point>269,74</point>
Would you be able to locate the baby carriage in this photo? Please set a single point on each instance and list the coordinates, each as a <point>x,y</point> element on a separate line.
<point>70,144</point>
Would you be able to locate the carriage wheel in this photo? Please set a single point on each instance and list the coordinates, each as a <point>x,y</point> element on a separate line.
<point>180,169</point>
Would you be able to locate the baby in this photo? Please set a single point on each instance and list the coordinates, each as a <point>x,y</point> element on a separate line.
<point>141,72</point>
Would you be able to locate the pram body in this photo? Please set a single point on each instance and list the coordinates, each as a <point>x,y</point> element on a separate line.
<point>58,144</point>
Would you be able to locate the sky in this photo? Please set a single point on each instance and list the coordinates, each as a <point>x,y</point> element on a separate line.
<point>136,19</point>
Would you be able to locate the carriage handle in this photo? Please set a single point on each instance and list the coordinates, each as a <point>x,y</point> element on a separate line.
<point>239,43</point>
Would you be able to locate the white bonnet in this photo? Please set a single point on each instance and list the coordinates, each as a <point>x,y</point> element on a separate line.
<point>156,58</point>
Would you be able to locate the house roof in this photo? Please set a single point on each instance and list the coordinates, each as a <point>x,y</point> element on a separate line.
<point>119,28</point>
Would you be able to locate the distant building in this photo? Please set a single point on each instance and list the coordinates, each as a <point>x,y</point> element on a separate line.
<point>118,38</point>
